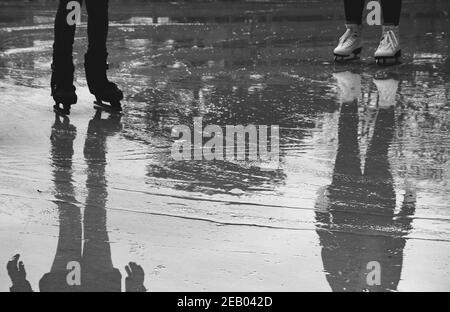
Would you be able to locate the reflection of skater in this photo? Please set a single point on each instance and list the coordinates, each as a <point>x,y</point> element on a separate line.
<point>97,272</point>
<point>134,281</point>
<point>350,44</point>
<point>18,275</point>
<point>97,262</point>
<point>70,230</point>
<point>355,214</point>
<point>63,90</point>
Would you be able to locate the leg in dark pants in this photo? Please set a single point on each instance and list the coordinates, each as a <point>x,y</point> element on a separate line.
<point>391,11</point>
<point>98,21</point>
<point>63,46</point>
<point>96,57</point>
<point>65,33</point>
<point>354,11</point>
<point>63,90</point>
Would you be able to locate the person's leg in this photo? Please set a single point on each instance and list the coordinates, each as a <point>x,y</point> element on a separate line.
<point>350,43</point>
<point>389,50</point>
<point>96,56</point>
<point>98,22</point>
<point>354,11</point>
<point>62,87</point>
<point>64,33</point>
<point>391,11</point>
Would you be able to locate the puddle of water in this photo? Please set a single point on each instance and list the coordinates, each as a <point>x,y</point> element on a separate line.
<point>363,171</point>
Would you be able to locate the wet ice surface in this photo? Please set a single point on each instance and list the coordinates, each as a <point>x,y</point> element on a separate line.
<point>358,181</point>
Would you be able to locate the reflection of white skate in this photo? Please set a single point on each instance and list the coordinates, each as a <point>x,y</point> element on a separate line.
<point>349,85</point>
<point>387,90</point>
<point>350,44</point>
<point>389,51</point>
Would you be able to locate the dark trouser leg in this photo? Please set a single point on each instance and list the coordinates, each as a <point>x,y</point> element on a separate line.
<point>96,56</point>
<point>354,11</point>
<point>391,11</point>
<point>63,45</point>
<point>98,21</point>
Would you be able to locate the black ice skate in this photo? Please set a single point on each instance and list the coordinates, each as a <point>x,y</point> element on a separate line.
<point>99,85</point>
<point>63,90</point>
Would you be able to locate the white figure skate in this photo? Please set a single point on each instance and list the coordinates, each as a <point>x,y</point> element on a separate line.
<point>389,51</point>
<point>350,44</point>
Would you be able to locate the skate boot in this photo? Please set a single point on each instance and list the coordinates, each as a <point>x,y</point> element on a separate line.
<point>350,44</point>
<point>63,90</point>
<point>98,83</point>
<point>389,51</point>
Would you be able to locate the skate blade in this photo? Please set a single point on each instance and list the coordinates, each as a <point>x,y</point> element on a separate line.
<point>355,55</point>
<point>116,109</point>
<point>389,61</point>
<point>346,58</point>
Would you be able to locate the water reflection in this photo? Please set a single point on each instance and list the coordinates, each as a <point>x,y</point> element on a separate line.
<point>97,272</point>
<point>264,69</point>
<point>227,102</point>
<point>356,218</point>
<point>70,229</point>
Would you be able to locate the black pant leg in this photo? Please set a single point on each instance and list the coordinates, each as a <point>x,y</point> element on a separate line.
<point>64,34</point>
<point>391,11</point>
<point>354,11</point>
<point>98,21</point>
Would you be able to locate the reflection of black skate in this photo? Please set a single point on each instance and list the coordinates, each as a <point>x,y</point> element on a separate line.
<point>99,85</point>
<point>389,60</point>
<point>109,94</point>
<point>110,108</point>
<point>63,90</point>
<point>64,99</point>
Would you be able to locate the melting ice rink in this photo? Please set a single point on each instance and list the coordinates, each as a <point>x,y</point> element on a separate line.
<point>359,180</point>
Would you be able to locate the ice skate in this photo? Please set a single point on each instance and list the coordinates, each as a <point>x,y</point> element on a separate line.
<point>99,85</point>
<point>350,44</point>
<point>62,88</point>
<point>110,94</point>
<point>389,51</point>
<point>387,90</point>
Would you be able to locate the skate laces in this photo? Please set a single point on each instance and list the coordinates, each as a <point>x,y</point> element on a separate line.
<point>348,38</point>
<point>389,41</point>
